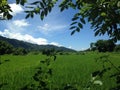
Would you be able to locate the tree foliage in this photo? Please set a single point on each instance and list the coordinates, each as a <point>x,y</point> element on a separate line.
<point>19,51</point>
<point>107,66</point>
<point>5,10</point>
<point>103,46</point>
<point>104,15</point>
<point>117,48</point>
<point>5,48</point>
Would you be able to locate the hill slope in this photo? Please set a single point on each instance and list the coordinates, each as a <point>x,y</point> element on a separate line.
<point>29,46</point>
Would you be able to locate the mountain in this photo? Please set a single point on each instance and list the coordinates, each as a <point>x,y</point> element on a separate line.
<point>29,46</point>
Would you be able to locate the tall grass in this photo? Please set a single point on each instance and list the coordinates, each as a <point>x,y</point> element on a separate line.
<point>18,71</point>
<point>67,69</point>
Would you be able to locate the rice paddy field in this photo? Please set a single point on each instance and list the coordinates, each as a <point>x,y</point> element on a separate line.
<point>73,69</point>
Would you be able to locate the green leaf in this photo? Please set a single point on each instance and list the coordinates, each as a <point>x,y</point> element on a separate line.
<point>29,7</point>
<point>41,4</point>
<point>9,16</point>
<point>72,5</point>
<point>27,16</point>
<point>54,1</point>
<point>27,11</point>
<point>23,2</point>
<point>42,15</point>
<point>66,7</point>
<point>97,32</point>
<point>49,8</point>
<point>46,11</point>
<point>82,20</point>
<point>5,14</point>
<point>103,14</point>
<point>17,1</point>
<point>34,3</point>
<point>78,29</point>
<point>44,2</point>
<point>77,14</point>
<point>37,10</point>
<point>109,32</point>
<point>72,27</point>
<point>62,8</point>
<point>32,14</point>
<point>72,32</point>
<point>80,25</point>
<point>73,23</point>
<point>75,18</point>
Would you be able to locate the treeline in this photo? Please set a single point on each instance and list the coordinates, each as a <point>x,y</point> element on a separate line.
<point>100,45</point>
<point>6,48</point>
<point>105,46</point>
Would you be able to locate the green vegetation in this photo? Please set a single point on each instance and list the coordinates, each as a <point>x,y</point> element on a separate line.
<point>103,46</point>
<point>104,17</point>
<point>21,47</point>
<point>5,48</point>
<point>73,69</point>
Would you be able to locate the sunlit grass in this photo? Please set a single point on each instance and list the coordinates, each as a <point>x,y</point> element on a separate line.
<point>67,69</point>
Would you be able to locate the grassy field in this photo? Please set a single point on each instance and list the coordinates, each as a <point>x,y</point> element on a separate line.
<point>17,71</point>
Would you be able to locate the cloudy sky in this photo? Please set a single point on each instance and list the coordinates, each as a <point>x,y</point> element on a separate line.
<point>54,29</point>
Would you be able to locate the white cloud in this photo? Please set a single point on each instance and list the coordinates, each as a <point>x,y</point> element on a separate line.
<point>39,41</point>
<point>17,26</point>
<point>26,38</point>
<point>56,44</point>
<point>16,9</point>
<point>46,28</point>
<point>20,23</point>
<point>70,47</point>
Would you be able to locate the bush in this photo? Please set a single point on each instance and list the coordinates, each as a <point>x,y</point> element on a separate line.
<point>5,48</point>
<point>19,51</point>
<point>117,48</point>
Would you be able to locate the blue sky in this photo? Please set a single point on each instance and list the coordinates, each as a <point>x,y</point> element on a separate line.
<point>54,29</point>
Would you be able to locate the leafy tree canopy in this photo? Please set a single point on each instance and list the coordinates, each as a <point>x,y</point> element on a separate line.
<point>5,47</point>
<point>117,48</point>
<point>103,46</point>
<point>104,15</point>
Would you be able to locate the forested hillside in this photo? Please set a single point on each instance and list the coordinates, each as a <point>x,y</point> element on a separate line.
<point>28,46</point>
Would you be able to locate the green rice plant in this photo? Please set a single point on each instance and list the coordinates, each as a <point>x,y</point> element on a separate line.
<point>67,71</point>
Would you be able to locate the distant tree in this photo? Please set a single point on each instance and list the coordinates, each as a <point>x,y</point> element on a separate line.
<point>110,45</point>
<point>5,48</point>
<point>100,45</point>
<point>48,51</point>
<point>105,45</point>
<point>104,15</point>
<point>20,51</point>
<point>117,48</point>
